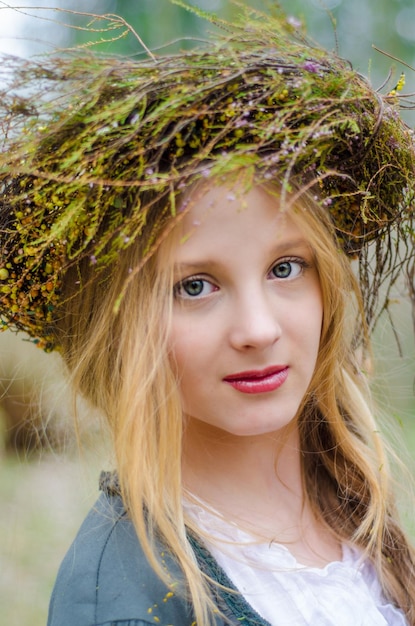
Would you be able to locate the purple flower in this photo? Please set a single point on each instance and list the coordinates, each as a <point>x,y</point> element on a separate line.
<point>294,22</point>
<point>310,66</point>
<point>240,123</point>
<point>183,206</point>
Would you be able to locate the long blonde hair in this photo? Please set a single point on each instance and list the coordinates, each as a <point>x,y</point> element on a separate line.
<point>345,462</point>
<point>120,363</point>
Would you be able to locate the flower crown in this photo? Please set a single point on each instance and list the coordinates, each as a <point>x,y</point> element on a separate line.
<point>97,147</point>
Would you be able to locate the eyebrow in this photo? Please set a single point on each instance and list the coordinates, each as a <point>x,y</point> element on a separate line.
<point>283,248</point>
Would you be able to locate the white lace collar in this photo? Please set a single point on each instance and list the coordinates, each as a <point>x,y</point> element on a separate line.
<point>282,591</point>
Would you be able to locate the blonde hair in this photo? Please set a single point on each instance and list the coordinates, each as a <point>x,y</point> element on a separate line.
<point>120,363</point>
<point>345,462</point>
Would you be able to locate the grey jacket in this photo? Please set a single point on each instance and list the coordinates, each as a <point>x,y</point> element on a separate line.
<point>106,580</point>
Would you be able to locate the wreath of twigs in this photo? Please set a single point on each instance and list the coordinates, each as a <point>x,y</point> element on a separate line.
<point>97,147</point>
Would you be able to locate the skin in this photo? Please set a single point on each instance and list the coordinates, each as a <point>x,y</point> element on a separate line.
<point>247,298</point>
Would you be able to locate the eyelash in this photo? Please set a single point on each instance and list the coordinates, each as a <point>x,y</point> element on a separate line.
<point>289,261</point>
<point>303,264</point>
<point>177,290</point>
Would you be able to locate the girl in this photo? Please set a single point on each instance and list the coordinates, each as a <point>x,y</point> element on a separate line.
<point>181,231</point>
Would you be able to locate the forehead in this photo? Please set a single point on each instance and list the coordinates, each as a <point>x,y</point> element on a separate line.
<point>231,216</point>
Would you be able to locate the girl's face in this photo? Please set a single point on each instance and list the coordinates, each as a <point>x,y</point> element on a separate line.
<point>247,313</point>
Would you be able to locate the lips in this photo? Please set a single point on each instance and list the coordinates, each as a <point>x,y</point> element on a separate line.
<point>258,381</point>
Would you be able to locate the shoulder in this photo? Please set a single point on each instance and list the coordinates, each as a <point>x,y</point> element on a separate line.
<point>105,577</point>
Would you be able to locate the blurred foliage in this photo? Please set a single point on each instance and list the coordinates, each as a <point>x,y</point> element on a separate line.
<point>350,26</point>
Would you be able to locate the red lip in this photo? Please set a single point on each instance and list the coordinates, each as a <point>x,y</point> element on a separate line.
<point>258,381</point>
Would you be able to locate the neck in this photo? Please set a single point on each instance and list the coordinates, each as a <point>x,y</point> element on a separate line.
<point>256,482</point>
<point>227,472</point>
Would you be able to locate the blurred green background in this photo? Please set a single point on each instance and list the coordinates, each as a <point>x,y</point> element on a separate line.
<point>47,483</point>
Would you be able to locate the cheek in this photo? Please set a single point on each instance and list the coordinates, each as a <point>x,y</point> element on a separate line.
<point>183,348</point>
<point>314,335</point>
<point>311,323</point>
<point>185,363</point>
<point>319,317</point>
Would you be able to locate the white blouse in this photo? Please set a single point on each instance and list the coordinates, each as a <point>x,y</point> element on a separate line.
<point>282,591</point>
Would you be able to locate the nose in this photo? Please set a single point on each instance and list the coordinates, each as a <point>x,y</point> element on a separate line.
<point>255,321</point>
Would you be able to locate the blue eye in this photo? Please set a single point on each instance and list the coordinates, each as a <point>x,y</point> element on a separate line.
<point>288,269</point>
<point>193,288</point>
